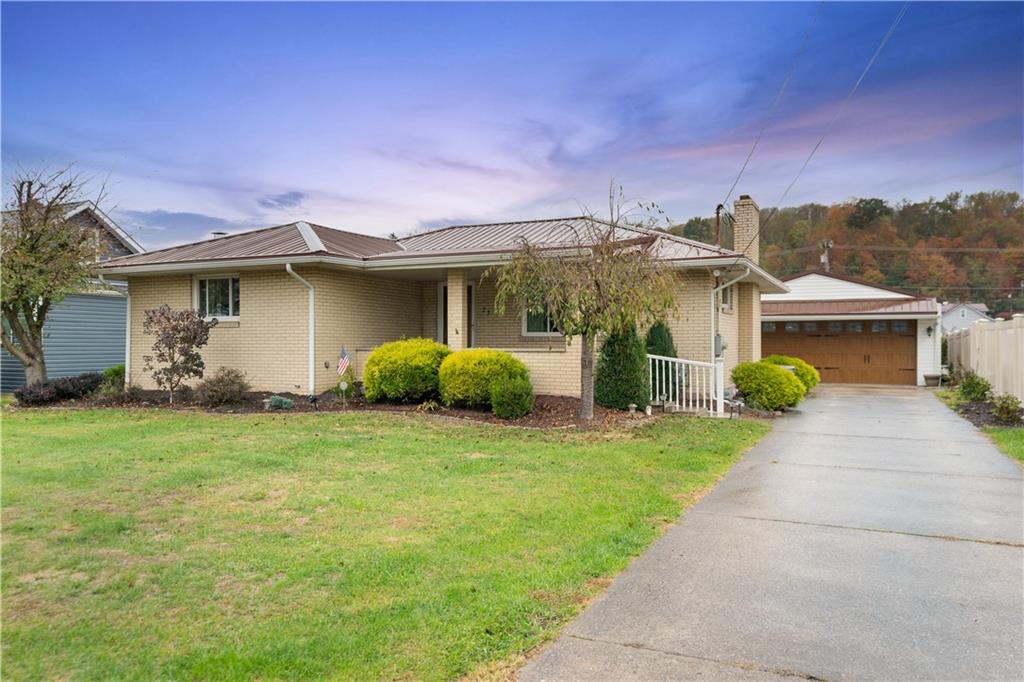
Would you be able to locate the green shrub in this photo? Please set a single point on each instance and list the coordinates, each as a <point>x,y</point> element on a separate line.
<point>805,372</point>
<point>659,340</point>
<point>622,374</point>
<point>766,386</point>
<point>403,370</point>
<point>226,386</point>
<point>114,375</point>
<point>117,394</point>
<point>1006,408</point>
<point>279,402</point>
<point>512,399</point>
<point>973,388</point>
<point>466,376</point>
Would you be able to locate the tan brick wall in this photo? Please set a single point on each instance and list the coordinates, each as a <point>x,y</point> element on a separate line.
<point>458,310</point>
<point>689,322</point>
<point>728,327</point>
<point>268,342</point>
<point>749,309</point>
<point>360,312</point>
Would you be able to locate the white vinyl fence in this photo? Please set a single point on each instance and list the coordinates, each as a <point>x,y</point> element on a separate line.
<point>687,385</point>
<point>993,350</point>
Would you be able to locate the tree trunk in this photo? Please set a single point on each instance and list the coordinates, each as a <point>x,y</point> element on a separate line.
<point>35,370</point>
<point>587,378</point>
<point>26,345</point>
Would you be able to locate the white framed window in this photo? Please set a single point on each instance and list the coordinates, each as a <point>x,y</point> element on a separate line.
<point>539,324</point>
<point>726,295</point>
<point>218,297</point>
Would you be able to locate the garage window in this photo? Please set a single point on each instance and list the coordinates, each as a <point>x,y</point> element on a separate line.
<point>810,326</point>
<point>768,327</point>
<point>855,327</point>
<point>900,327</point>
<point>879,327</point>
<point>792,327</point>
<point>835,327</point>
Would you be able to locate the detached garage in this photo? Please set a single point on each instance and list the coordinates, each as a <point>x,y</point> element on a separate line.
<point>853,331</point>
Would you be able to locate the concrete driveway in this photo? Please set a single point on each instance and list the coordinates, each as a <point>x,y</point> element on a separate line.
<point>872,535</point>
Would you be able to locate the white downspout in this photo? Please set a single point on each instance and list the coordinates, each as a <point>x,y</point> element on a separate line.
<point>714,309</point>
<point>127,330</point>
<point>311,350</point>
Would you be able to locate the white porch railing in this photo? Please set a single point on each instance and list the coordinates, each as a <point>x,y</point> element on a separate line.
<point>687,384</point>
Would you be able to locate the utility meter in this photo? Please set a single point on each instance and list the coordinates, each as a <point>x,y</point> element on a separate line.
<point>720,345</point>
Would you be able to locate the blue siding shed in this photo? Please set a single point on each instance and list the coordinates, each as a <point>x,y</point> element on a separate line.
<point>84,333</point>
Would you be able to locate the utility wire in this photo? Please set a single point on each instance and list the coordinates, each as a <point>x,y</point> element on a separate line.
<point>831,124</point>
<point>778,98</point>
<point>926,249</point>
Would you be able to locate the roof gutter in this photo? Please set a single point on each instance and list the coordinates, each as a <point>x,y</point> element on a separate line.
<point>311,346</point>
<point>714,308</point>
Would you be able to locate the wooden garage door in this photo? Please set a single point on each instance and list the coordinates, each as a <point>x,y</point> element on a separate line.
<point>849,351</point>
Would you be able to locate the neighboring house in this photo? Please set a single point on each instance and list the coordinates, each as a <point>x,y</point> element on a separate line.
<point>854,331</point>
<point>86,331</point>
<point>962,315</point>
<point>290,298</point>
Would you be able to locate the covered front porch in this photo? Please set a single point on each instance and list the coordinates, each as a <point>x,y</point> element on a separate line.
<point>455,306</point>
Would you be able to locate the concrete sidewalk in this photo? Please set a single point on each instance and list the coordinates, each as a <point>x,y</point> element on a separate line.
<point>873,535</point>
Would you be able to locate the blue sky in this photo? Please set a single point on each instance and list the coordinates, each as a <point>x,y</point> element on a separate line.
<point>393,117</point>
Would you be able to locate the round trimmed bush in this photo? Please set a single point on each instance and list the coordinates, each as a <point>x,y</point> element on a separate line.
<point>512,399</point>
<point>804,371</point>
<point>767,386</point>
<point>659,340</point>
<point>622,374</point>
<point>403,370</point>
<point>466,376</point>
<point>226,386</point>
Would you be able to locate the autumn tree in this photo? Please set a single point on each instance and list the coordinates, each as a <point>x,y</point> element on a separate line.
<point>179,336</point>
<point>602,280</point>
<point>45,257</point>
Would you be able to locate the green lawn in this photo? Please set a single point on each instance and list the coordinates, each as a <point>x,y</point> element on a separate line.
<point>149,544</point>
<point>1009,439</point>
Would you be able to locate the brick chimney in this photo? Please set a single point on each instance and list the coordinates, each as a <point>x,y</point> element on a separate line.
<point>747,215</point>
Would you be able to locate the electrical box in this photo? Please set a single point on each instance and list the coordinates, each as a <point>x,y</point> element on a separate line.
<point>720,345</point>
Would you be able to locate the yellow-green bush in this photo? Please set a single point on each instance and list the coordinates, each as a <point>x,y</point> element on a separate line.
<point>466,376</point>
<point>767,386</point>
<point>403,370</point>
<point>805,372</point>
<point>512,399</point>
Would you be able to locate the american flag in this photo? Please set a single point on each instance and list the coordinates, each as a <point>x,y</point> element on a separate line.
<point>343,362</point>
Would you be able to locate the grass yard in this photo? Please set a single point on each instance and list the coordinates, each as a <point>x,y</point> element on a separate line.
<point>150,544</point>
<point>1009,439</point>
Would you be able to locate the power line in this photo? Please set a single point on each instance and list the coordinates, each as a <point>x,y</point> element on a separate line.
<point>927,249</point>
<point>778,98</point>
<point>831,124</point>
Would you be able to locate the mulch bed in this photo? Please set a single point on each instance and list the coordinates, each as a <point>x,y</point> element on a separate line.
<point>980,414</point>
<point>548,411</point>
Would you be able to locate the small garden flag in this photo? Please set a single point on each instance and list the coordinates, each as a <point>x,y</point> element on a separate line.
<point>343,362</point>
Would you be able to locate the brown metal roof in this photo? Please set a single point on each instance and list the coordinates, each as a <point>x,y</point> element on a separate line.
<point>895,307</point>
<point>548,232</point>
<point>351,243</point>
<point>281,240</point>
<point>300,239</point>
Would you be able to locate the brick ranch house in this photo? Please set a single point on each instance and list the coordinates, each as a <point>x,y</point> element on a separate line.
<point>289,298</point>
